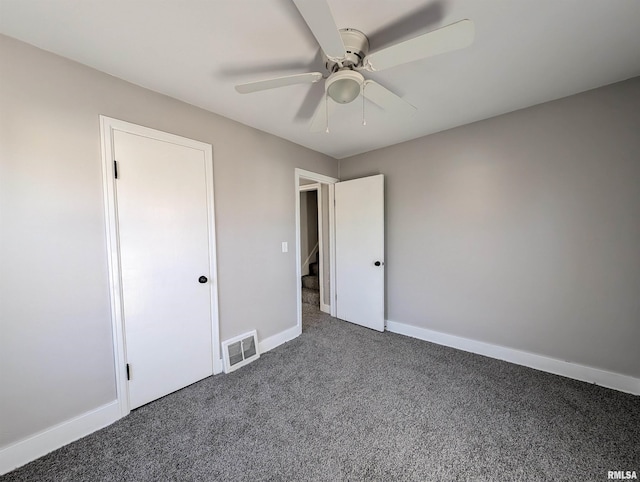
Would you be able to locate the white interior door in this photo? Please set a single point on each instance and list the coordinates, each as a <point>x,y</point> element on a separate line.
<point>359,245</point>
<point>161,193</point>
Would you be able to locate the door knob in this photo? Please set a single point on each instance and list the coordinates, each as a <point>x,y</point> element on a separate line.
<point>378,263</point>
<point>202,279</point>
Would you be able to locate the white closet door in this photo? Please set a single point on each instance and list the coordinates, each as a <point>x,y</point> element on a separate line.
<point>164,251</point>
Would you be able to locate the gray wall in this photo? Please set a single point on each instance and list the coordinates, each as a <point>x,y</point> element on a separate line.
<point>522,230</point>
<point>55,345</point>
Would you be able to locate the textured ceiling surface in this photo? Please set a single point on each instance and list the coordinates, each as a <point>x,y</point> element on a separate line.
<point>525,53</point>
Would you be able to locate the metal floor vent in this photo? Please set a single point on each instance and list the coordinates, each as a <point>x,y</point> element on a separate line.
<point>240,350</point>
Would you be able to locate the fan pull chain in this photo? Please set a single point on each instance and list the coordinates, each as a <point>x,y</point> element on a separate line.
<point>364,120</point>
<point>326,110</point>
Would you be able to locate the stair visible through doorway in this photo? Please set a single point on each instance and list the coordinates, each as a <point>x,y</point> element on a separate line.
<point>311,286</point>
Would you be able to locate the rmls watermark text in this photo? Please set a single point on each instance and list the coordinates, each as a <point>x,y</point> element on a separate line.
<point>622,475</point>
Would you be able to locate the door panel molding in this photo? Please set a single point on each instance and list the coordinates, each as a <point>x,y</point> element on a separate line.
<point>107,128</point>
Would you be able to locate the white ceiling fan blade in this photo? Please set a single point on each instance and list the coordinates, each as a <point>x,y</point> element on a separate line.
<point>319,121</point>
<point>319,19</point>
<point>452,37</point>
<point>383,97</point>
<point>258,85</point>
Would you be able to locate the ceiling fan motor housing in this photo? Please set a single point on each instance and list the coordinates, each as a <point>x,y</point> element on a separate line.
<point>356,45</point>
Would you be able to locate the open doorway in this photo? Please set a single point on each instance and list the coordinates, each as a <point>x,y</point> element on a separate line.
<point>314,243</point>
<point>310,249</point>
<point>314,246</point>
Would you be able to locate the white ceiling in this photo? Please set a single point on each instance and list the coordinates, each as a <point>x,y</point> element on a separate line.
<point>526,52</point>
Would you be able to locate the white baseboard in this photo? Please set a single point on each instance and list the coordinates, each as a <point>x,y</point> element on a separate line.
<point>279,338</point>
<point>217,366</point>
<point>53,438</point>
<point>616,381</point>
<point>325,308</point>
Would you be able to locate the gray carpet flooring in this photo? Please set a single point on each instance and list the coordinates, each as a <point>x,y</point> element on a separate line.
<point>346,403</point>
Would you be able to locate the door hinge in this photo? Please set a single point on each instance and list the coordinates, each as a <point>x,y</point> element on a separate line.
<point>115,169</point>
<point>128,372</point>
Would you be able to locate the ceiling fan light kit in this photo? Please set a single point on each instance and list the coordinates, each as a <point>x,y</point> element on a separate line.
<point>344,86</point>
<point>346,52</point>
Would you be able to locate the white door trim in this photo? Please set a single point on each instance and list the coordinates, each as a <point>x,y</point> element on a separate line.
<point>330,181</point>
<point>107,127</point>
<point>333,293</point>
<point>309,187</point>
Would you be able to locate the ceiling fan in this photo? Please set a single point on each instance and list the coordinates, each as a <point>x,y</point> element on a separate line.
<point>345,53</point>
